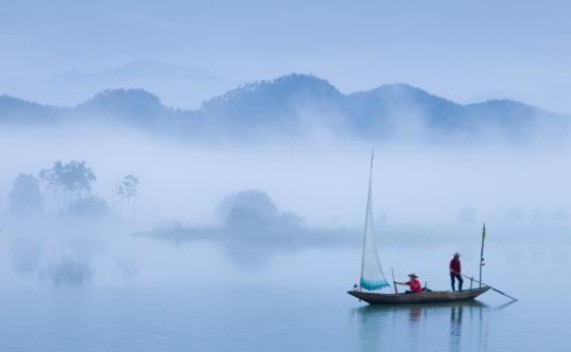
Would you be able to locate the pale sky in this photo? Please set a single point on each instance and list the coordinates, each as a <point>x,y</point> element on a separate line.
<point>465,51</point>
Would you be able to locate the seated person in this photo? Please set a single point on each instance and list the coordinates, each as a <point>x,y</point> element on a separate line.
<point>413,284</point>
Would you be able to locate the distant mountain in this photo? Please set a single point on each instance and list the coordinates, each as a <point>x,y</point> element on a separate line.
<point>296,101</point>
<point>134,106</point>
<point>18,111</point>
<point>388,108</point>
<point>180,86</point>
<point>294,104</point>
<point>285,103</point>
<point>143,68</point>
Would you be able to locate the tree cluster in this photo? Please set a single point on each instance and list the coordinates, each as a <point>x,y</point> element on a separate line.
<point>69,185</point>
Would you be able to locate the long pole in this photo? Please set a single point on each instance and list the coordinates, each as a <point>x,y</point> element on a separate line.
<point>493,288</point>
<point>394,285</point>
<point>482,253</point>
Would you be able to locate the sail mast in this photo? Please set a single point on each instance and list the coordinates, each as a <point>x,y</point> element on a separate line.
<point>482,253</point>
<point>367,219</point>
<point>372,277</point>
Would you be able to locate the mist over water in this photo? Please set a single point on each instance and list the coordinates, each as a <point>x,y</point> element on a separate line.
<point>249,223</point>
<point>177,177</point>
<point>308,197</point>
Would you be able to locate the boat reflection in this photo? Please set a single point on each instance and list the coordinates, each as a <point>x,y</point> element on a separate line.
<point>436,327</point>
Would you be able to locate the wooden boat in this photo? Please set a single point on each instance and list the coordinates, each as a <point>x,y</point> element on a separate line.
<point>422,297</point>
<point>373,278</point>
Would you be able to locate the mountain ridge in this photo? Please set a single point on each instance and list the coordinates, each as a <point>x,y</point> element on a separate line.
<point>253,85</point>
<point>288,103</point>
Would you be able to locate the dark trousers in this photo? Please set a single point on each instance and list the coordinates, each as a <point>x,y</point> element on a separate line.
<point>453,281</point>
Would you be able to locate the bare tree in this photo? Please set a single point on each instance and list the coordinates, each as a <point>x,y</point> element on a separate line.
<point>127,190</point>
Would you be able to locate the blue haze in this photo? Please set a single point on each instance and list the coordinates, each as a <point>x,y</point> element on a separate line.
<point>466,51</point>
<point>249,126</point>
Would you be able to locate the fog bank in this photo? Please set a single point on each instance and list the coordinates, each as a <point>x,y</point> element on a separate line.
<point>250,212</point>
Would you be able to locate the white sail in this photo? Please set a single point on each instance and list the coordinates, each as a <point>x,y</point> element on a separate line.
<point>372,276</point>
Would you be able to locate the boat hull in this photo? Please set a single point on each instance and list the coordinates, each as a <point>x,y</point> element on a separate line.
<point>422,297</point>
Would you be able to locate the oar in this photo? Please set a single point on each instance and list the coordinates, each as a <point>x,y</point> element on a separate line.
<point>394,285</point>
<point>493,288</point>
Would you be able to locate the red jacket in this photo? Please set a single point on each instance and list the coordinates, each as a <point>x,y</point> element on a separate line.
<point>414,285</point>
<point>455,266</point>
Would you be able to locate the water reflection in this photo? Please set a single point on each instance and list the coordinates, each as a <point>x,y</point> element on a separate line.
<point>455,327</point>
<point>436,327</point>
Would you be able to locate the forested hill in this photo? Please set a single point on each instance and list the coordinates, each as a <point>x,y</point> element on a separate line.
<point>297,105</point>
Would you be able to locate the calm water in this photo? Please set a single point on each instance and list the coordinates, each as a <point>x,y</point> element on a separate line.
<point>254,318</point>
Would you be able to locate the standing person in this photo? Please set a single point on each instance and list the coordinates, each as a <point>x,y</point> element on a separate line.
<point>456,272</point>
<point>412,283</point>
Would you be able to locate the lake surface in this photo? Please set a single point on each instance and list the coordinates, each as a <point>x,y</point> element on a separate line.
<point>257,318</point>
<point>200,297</point>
